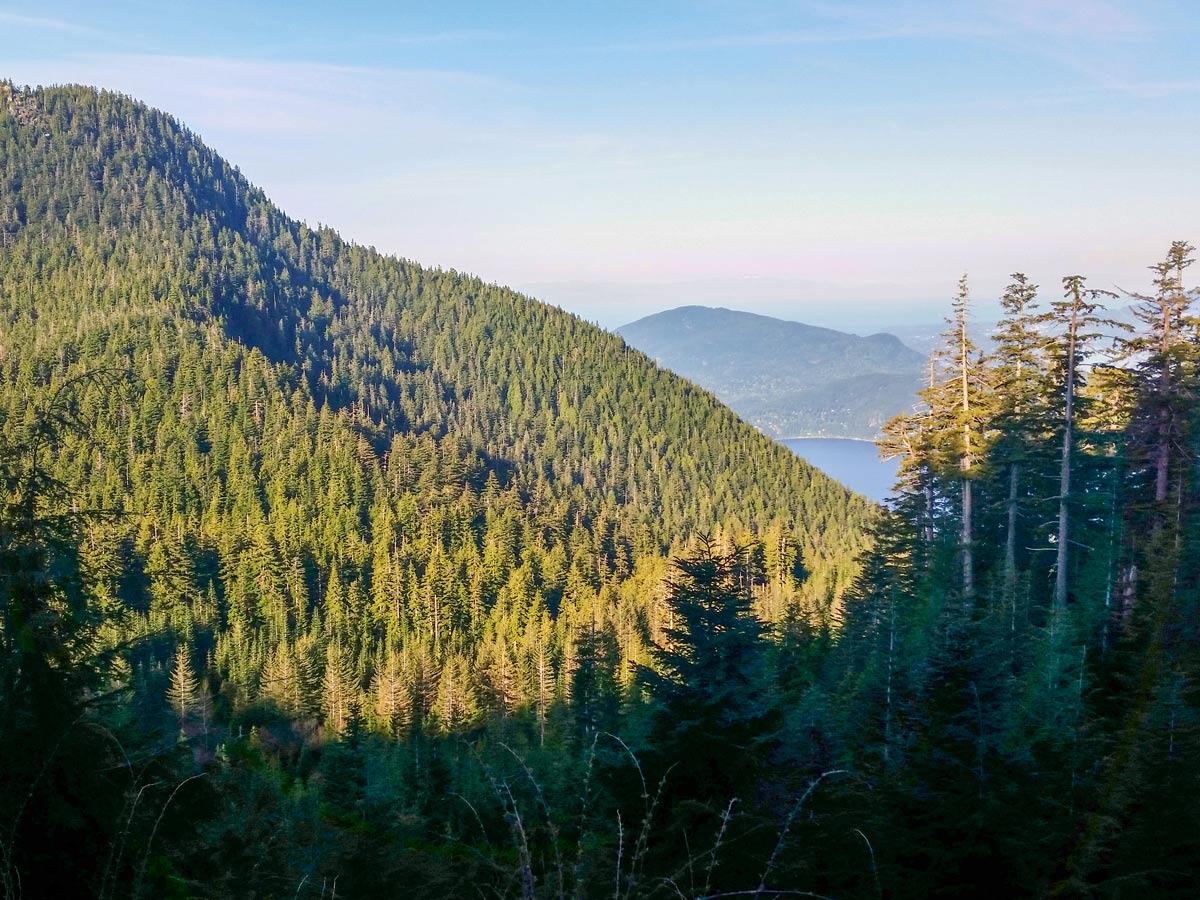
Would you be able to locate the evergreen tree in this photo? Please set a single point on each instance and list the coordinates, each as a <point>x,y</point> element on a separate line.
<point>339,694</point>
<point>184,692</point>
<point>1020,406</point>
<point>342,469</point>
<point>1077,315</point>
<point>1166,354</point>
<point>595,690</point>
<point>53,671</point>
<point>966,379</point>
<point>714,713</point>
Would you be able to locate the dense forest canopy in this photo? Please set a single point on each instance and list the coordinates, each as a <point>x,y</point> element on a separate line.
<point>339,486</point>
<point>375,434</point>
<point>325,574</point>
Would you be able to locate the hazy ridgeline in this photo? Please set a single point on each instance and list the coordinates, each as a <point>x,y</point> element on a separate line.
<point>785,378</point>
<point>326,574</point>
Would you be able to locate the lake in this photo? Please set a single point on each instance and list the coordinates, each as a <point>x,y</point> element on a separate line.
<point>855,464</point>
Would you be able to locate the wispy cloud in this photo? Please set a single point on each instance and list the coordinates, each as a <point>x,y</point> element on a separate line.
<point>861,22</point>
<point>306,44</point>
<point>1104,44</point>
<point>463,36</point>
<point>748,40</point>
<point>1078,20</point>
<point>1095,20</point>
<point>42,23</point>
<point>272,98</point>
<point>1155,90</point>
<point>926,130</point>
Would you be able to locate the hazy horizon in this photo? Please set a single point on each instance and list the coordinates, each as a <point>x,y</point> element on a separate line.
<point>858,309</point>
<point>820,162</point>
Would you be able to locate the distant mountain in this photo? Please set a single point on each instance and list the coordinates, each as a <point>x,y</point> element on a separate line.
<point>787,378</point>
<point>924,337</point>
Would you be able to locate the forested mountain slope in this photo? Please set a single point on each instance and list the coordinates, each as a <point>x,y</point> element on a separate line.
<point>323,574</point>
<point>787,378</point>
<point>127,243</point>
<point>313,431</point>
<point>337,485</point>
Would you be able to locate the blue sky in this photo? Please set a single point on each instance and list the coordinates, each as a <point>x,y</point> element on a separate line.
<point>837,162</point>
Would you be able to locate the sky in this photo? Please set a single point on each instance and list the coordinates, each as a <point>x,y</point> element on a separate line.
<point>842,163</point>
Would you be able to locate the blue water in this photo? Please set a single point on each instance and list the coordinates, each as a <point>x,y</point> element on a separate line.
<point>855,464</point>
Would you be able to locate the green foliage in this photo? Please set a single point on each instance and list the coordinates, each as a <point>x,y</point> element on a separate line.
<point>335,447</point>
<point>350,504</point>
<point>1017,737</point>
<point>714,716</point>
<point>325,573</point>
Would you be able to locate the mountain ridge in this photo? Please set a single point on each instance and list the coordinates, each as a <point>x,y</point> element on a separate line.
<point>789,379</point>
<point>128,242</point>
<point>347,505</point>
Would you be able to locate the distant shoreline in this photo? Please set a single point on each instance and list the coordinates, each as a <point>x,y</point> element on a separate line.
<point>824,437</point>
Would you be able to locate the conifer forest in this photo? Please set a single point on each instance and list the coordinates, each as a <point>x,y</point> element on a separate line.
<point>325,574</point>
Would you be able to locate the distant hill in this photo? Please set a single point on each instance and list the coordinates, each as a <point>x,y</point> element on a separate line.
<point>787,378</point>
